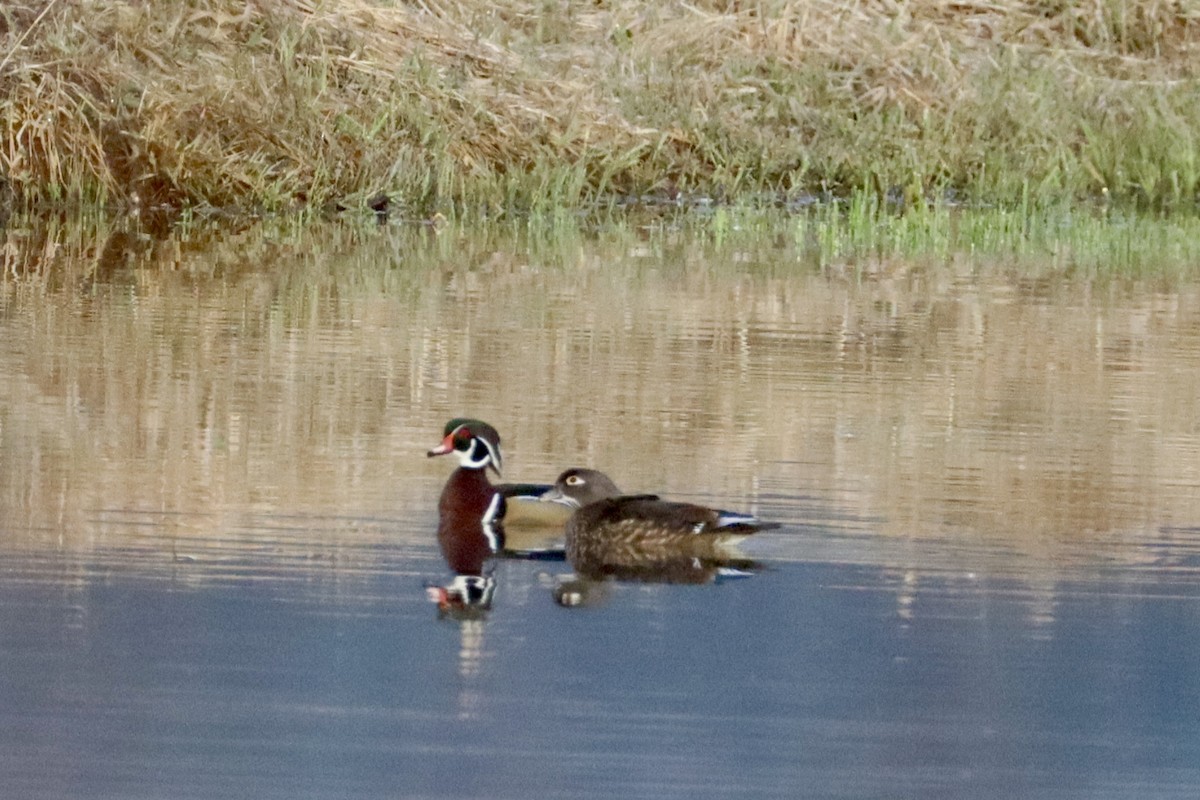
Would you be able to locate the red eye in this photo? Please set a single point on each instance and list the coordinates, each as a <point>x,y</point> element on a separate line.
<point>462,436</point>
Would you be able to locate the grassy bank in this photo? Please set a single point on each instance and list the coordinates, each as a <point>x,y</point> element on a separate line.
<point>466,105</point>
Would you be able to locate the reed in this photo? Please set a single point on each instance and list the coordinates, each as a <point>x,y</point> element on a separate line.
<point>483,108</point>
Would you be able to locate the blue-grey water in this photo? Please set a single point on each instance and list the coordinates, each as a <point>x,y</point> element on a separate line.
<point>809,679</point>
<point>217,524</point>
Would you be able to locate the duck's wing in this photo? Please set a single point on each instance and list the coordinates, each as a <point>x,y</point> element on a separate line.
<point>676,517</point>
<point>734,522</point>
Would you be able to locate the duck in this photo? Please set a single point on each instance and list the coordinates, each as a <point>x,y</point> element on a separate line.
<point>612,533</point>
<point>474,514</point>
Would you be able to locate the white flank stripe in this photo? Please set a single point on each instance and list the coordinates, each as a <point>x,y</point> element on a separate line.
<point>489,517</point>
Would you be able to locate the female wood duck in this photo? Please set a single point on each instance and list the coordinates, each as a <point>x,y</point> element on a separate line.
<point>474,514</point>
<point>610,530</point>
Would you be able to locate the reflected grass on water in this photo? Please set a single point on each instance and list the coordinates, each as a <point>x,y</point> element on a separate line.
<point>1071,240</point>
<point>1021,394</point>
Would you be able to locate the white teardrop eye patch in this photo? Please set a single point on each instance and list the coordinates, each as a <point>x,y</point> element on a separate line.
<point>575,480</point>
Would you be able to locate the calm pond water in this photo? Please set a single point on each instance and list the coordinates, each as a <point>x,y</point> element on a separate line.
<point>217,520</point>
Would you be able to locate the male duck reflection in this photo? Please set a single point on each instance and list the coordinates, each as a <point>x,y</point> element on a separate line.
<point>642,537</point>
<point>464,597</point>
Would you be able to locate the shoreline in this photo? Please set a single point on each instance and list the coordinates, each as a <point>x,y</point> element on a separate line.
<point>466,108</point>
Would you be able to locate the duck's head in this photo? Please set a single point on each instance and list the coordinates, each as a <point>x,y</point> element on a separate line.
<point>476,444</point>
<point>577,487</point>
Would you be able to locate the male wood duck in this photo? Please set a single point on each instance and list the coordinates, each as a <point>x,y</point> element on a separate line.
<point>612,534</point>
<point>473,514</point>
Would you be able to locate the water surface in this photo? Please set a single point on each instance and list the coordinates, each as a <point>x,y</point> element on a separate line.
<point>217,521</point>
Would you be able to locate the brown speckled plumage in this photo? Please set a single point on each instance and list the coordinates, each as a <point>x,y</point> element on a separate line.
<point>610,530</point>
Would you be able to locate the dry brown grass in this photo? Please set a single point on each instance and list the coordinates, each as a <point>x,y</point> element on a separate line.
<point>462,104</point>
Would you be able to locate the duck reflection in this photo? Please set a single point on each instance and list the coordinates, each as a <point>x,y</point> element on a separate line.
<point>466,599</point>
<point>470,544</point>
<point>642,538</point>
<point>464,596</point>
<point>469,548</point>
<point>471,551</point>
<point>588,585</point>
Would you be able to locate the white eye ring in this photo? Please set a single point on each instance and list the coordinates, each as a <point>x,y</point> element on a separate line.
<point>575,480</point>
